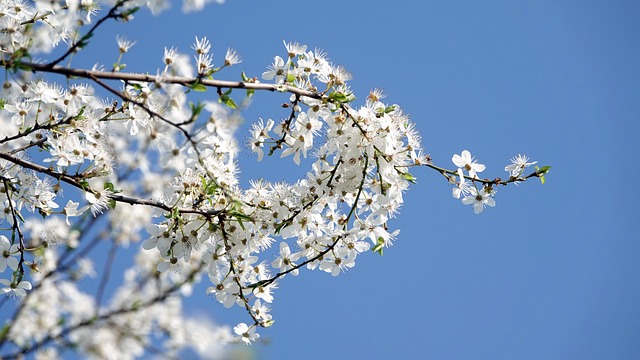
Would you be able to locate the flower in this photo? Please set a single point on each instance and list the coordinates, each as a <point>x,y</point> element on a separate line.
<point>232,58</point>
<point>465,161</point>
<point>18,290</point>
<point>6,252</point>
<point>259,132</point>
<point>99,200</point>
<point>123,44</point>
<point>71,209</point>
<point>277,69</point>
<point>462,188</point>
<point>20,111</point>
<point>294,49</point>
<point>518,164</point>
<point>41,91</point>
<point>286,260</point>
<point>202,46</point>
<point>204,63</point>
<point>479,200</point>
<point>247,334</point>
<point>178,62</point>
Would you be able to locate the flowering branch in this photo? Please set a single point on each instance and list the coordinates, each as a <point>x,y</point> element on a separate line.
<point>180,168</point>
<point>160,79</point>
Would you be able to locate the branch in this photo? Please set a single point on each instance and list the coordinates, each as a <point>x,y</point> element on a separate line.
<point>496,181</point>
<point>181,80</point>
<point>119,198</point>
<point>82,42</point>
<point>105,316</point>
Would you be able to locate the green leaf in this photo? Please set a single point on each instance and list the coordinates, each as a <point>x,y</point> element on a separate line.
<point>228,101</point>
<point>410,178</point>
<point>4,331</point>
<point>341,97</point>
<point>196,109</point>
<point>390,108</point>
<point>196,86</point>
<point>240,216</point>
<point>541,172</point>
<point>130,12</point>
<point>84,41</point>
<point>379,247</point>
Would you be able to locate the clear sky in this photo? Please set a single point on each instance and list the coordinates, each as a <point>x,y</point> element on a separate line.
<point>552,271</point>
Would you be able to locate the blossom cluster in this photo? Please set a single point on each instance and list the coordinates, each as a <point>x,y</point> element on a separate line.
<point>468,190</point>
<point>163,173</point>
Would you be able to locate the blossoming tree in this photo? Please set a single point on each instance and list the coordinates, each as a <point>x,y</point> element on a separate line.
<point>141,163</point>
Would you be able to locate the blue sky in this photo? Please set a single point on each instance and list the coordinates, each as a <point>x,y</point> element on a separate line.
<point>552,271</point>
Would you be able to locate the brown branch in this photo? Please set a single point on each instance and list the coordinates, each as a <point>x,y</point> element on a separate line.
<point>496,181</point>
<point>181,80</point>
<point>112,14</point>
<point>119,198</point>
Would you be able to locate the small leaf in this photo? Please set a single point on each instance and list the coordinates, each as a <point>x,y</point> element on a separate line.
<point>541,172</point>
<point>341,97</point>
<point>410,178</point>
<point>240,216</point>
<point>196,109</point>
<point>196,86</point>
<point>379,248</point>
<point>390,109</point>
<point>131,11</point>
<point>228,101</point>
<point>4,331</point>
<point>108,186</point>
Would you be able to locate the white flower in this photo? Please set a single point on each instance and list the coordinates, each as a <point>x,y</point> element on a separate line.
<point>340,261</point>
<point>179,63</point>
<point>294,49</point>
<point>202,46</point>
<point>286,261</point>
<point>468,163</point>
<point>462,188</point>
<point>247,334</point>
<point>277,70</point>
<point>123,44</point>
<point>41,91</point>
<point>18,290</point>
<point>20,111</point>
<point>262,312</point>
<point>518,164</point>
<point>99,200</point>
<point>71,209</point>
<point>204,63</point>
<point>6,254</point>
<point>232,58</point>
<point>259,134</point>
<point>479,200</point>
